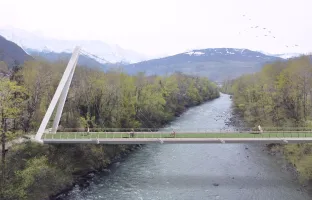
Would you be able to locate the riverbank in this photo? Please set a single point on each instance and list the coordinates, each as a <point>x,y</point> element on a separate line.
<point>64,166</point>
<point>295,163</point>
<point>195,171</point>
<point>98,99</point>
<point>296,156</point>
<point>83,178</point>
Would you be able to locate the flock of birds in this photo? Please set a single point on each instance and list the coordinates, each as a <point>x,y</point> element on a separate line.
<point>265,32</point>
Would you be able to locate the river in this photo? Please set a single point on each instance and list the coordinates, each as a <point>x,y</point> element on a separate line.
<point>196,171</point>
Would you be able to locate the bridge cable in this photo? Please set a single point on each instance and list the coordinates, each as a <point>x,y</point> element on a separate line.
<point>103,59</point>
<point>146,119</point>
<point>84,52</point>
<point>94,56</point>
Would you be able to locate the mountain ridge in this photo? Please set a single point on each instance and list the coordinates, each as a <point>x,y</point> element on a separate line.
<point>11,53</point>
<point>29,40</point>
<point>215,63</point>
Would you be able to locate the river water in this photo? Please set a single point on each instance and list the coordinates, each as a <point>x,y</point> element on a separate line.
<point>196,171</point>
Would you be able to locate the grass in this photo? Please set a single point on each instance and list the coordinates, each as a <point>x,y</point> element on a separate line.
<point>103,135</point>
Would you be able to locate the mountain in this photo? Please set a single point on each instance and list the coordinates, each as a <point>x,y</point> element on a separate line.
<point>53,57</point>
<point>284,55</point>
<point>11,53</point>
<point>35,41</point>
<point>288,55</point>
<point>215,63</point>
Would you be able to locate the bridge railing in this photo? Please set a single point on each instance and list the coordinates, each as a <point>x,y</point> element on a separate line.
<point>178,134</point>
<point>177,129</point>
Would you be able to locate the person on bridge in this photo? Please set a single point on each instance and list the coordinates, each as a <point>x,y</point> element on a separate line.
<point>260,129</point>
<point>173,133</point>
<point>132,133</point>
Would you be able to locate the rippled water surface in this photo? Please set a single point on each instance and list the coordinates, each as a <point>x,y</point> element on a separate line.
<point>196,171</point>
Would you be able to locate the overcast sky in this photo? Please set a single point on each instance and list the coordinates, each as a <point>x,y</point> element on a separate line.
<point>158,27</point>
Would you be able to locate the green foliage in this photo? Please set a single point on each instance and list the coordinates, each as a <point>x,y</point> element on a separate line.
<point>12,97</point>
<point>3,68</point>
<point>113,99</point>
<point>38,171</point>
<point>31,182</point>
<point>280,95</point>
<point>95,100</point>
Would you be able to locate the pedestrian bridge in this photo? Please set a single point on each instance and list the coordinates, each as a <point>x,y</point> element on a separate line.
<point>177,136</point>
<point>129,136</point>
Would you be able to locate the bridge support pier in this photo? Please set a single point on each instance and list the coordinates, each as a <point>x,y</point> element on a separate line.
<point>59,96</point>
<point>63,99</point>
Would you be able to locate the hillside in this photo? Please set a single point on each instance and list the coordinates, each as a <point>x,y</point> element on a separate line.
<point>111,52</point>
<point>53,57</point>
<point>11,53</point>
<point>215,63</point>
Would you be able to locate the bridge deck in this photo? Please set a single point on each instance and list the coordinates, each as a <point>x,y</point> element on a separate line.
<point>181,137</point>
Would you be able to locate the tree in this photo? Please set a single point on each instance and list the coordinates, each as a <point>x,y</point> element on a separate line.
<point>11,100</point>
<point>3,68</point>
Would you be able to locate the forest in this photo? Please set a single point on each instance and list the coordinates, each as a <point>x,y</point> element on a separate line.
<point>280,95</point>
<point>96,100</point>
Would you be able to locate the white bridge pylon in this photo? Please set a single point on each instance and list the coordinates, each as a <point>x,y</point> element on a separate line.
<point>59,96</point>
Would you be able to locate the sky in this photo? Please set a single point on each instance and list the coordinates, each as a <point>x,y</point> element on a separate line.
<point>166,27</point>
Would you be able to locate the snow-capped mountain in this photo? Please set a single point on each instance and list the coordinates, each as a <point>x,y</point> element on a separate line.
<point>215,63</point>
<point>221,54</point>
<point>288,55</point>
<point>283,55</point>
<point>105,52</point>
